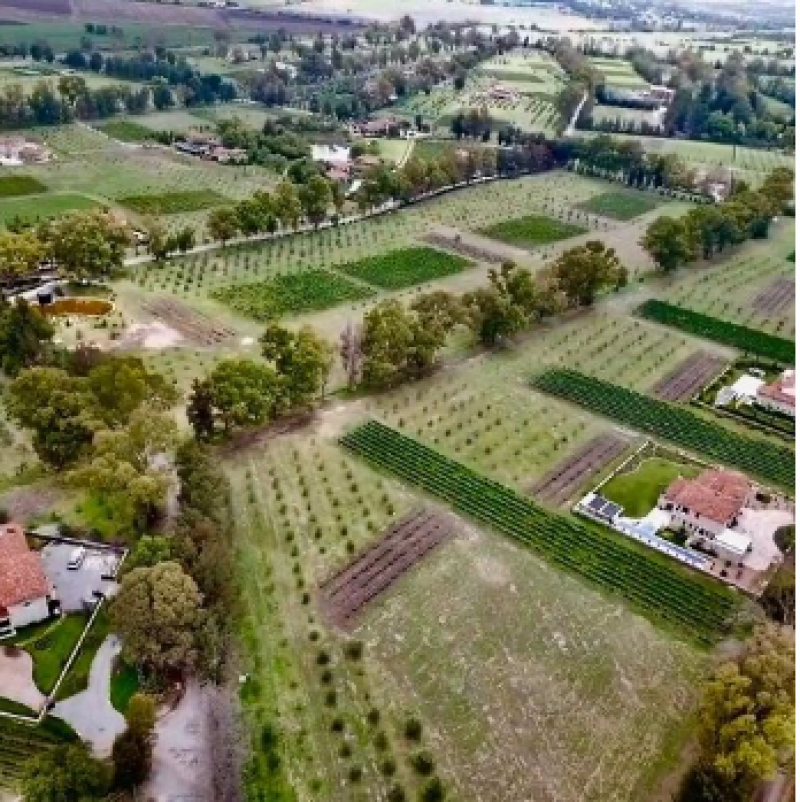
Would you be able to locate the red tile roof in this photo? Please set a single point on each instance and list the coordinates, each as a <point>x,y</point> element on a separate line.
<point>782,389</point>
<point>716,495</point>
<point>22,578</point>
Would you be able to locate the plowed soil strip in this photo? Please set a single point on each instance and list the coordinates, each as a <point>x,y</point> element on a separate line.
<point>405,543</point>
<point>465,249</point>
<point>694,373</point>
<point>193,325</point>
<point>776,297</point>
<point>559,485</point>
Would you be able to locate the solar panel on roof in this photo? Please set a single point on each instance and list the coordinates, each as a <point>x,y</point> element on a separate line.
<point>597,503</point>
<point>611,509</point>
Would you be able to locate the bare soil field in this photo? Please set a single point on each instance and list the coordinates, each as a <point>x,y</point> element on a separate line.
<point>471,251</point>
<point>195,326</point>
<point>561,483</point>
<point>776,297</point>
<point>402,546</point>
<point>689,377</point>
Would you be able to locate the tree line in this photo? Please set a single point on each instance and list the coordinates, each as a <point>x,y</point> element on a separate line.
<point>707,230</point>
<point>394,343</point>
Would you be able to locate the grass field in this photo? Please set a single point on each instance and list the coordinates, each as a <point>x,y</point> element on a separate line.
<point>618,73</point>
<point>638,490</point>
<point>405,267</point>
<point>126,131</point>
<point>531,231</point>
<point>621,205</point>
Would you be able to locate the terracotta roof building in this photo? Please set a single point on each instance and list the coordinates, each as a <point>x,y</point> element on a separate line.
<point>708,507</point>
<point>779,395</point>
<point>25,590</point>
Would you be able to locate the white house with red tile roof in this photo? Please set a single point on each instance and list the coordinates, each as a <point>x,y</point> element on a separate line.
<point>709,505</point>
<point>778,396</point>
<point>25,590</point>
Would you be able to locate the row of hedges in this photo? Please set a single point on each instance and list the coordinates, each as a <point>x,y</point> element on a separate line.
<point>772,462</point>
<point>745,339</point>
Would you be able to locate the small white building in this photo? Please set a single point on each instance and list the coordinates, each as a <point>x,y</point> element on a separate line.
<point>331,154</point>
<point>25,590</point>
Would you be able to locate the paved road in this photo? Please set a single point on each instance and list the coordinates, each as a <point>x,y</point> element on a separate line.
<point>90,713</point>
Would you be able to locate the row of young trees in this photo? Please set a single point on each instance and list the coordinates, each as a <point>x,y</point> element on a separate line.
<point>706,230</point>
<point>394,343</point>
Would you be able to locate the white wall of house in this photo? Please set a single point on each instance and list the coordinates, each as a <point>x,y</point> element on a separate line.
<point>775,405</point>
<point>30,612</point>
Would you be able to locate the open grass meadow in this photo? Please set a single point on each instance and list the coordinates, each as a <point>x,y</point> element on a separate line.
<point>174,202</point>
<point>12,186</point>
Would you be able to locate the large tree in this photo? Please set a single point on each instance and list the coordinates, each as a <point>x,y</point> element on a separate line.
<point>129,467</point>
<point>301,359</point>
<point>237,393</point>
<point>86,244</point>
<point>25,334</point>
<point>583,271</point>
<point>65,774</point>
<point>746,720</point>
<point>668,242</point>
<point>20,254</point>
<point>158,612</point>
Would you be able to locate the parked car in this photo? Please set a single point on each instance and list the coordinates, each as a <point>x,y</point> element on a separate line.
<point>76,558</point>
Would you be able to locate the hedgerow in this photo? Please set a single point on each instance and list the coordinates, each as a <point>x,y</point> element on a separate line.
<point>745,339</point>
<point>760,457</point>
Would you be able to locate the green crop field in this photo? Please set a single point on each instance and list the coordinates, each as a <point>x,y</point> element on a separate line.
<point>36,208</point>
<point>307,291</point>
<point>173,202</point>
<point>621,205</point>
<point>405,267</point>
<point>531,231</point>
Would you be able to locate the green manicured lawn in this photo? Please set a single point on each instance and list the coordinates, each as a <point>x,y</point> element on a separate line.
<point>9,706</point>
<point>42,207</point>
<point>77,679</point>
<point>126,131</point>
<point>174,202</point>
<point>14,185</point>
<point>51,651</point>
<point>124,684</point>
<point>531,231</point>
<point>405,267</point>
<point>620,205</point>
<point>291,294</point>
<point>638,492</point>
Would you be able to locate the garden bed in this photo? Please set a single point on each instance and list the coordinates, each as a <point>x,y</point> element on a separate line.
<point>291,294</point>
<point>405,267</point>
<point>531,231</point>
